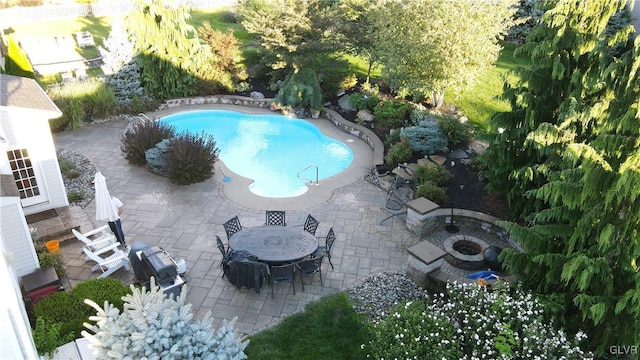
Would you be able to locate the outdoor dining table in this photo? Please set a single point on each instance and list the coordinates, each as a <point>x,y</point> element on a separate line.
<point>274,244</point>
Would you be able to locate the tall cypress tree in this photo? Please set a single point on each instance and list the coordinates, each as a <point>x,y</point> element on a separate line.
<point>569,159</point>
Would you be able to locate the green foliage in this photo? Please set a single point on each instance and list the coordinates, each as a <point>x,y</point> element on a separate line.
<point>568,160</point>
<point>399,152</point>
<point>426,137</point>
<point>54,260</point>
<point>192,158</point>
<point>365,100</point>
<point>470,322</point>
<point>437,174</point>
<point>391,114</point>
<point>392,138</point>
<point>425,48</point>
<point>142,137</point>
<point>75,196</point>
<point>68,168</point>
<point>16,61</point>
<point>301,89</point>
<point>156,327</point>
<point>81,101</point>
<point>455,130</point>
<point>433,192</point>
<point>225,71</point>
<point>332,330</point>
<point>47,337</point>
<point>69,310</point>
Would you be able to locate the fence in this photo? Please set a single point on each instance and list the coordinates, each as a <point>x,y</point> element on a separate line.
<point>19,15</point>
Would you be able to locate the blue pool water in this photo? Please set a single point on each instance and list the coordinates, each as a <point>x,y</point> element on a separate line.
<point>269,149</point>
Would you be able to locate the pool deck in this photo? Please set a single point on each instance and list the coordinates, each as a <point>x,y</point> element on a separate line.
<point>184,220</point>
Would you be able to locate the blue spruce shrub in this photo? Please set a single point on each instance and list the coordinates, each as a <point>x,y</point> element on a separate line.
<point>426,137</point>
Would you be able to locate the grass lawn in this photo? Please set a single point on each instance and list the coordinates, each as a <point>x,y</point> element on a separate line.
<point>327,329</point>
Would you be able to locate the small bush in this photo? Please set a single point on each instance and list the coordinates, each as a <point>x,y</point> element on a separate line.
<point>364,100</point>
<point>433,192</point>
<point>426,137</point>
<point>394,137</point>
<point>391,114</point>
<point>53,260</point>
<point>156,161</point>
<point>69,310</point>
<point>455,130</point>
<point>75,196</point>
<point>47,337</point>
<point>437,174</point>
<point>400,152</point>
<point>66,167</point>
<point>142,137</point>
<point>192,158</point>
<point>301,89</point>
<point>81,101</point>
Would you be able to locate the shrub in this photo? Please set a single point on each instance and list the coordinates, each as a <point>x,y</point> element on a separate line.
<point>400,152</point>
<point>436,174</point>
<point>81,101</point>
<point>433,192</point>
<point>173,333</point>
<point>391,114</point>
<point>67,168</point>
<point>192,158</point>
<point>455,130</point>
<point>47,337</point>
<point>364,100</point>
<point>68,308</point>
<point>16,62</point>
<point>470,322</point>
<point>426,137</point>
<point>75,196</point>
<point>156,161</point>
<point>142,137</point>
<point>394,137</point>
<point>301,89</point>
<point>48,259</point>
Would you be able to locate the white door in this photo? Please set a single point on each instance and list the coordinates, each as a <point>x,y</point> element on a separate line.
<point>28,177</point>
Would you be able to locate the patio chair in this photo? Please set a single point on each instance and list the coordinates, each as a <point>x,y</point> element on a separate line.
<point>310,267</point>
<point>232,226</point>
<point>98,240</point>
<point>223,251</point>
<point>311,225</point>
<point>109,264</point>
<point>275,218</point>
<point>279,273</point>
<point>326,249</point>
<point>400,193</point>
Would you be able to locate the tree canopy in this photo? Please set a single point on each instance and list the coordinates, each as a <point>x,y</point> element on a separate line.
<point>569,159</point>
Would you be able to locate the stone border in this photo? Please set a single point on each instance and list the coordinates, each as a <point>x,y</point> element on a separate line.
<point>354,129</point>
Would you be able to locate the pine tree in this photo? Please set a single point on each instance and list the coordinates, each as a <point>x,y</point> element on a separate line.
<point>569,158</point>
<point>152,326</point>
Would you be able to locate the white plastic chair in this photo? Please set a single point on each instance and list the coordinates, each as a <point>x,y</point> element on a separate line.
<point>97,241</point>
<point>111,263</point>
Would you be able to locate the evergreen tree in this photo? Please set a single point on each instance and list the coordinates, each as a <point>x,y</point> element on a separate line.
<point>152,326</point>
<point>569,160</point>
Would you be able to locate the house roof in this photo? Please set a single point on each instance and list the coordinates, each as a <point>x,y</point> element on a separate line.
<point>24,93</point>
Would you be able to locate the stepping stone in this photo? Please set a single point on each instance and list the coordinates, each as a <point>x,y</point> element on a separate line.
<point>426,161</point>
<point>459,154</point>
<point>440,160</point>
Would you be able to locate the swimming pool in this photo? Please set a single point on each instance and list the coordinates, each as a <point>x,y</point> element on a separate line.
<point>269,149</point>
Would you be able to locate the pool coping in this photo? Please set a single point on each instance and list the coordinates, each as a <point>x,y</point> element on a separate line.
<point>366,147</point>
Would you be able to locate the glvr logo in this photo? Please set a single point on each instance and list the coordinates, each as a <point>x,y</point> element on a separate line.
<point>624,350</point>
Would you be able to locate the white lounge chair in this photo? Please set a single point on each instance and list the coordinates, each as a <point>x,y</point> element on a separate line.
<point>98,240</point>
<point>111,263</point>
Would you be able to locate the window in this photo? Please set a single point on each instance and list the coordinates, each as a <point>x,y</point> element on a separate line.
<point>23,173</point>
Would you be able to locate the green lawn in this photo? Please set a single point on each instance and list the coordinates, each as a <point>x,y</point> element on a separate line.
<point>327,329</point>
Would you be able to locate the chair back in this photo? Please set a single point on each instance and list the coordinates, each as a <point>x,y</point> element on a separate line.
<point>331,238</point>
<point>310,266</point>
<point>81,237</point>
<point>282,272</point>
<point>275,218</point>
<point>311,225</point>
<point>221,247</point>
<point>232,226</point>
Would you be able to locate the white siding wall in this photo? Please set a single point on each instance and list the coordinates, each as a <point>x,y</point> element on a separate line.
<point>17,238</point>
<point>15,333</point>
<point>29,129</point>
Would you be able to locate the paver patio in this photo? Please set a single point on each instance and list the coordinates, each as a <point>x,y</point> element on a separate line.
<point>184,220</point>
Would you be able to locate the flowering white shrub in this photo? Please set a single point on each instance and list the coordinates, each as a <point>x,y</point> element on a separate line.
<point>471,322</point>
<point>153,326</point>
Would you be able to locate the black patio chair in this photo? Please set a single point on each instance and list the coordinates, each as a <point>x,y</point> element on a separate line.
<point>232,226</point>
<point>326,249</point>
<point>279,273</point>
<point>311,225</point>
<point>400,193</point>
<point>275,218</point>
<point>223,251</point>
<point>310,267</point>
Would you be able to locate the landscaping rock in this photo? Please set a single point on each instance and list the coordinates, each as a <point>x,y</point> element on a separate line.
<point>365,115</point>
<point>345,104</point>
<point>440,160</point>
<point>459,154</point>
<point>256,95</point>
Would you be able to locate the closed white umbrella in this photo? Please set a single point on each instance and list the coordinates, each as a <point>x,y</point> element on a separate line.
<point>105,209</point>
